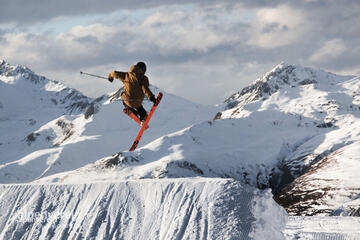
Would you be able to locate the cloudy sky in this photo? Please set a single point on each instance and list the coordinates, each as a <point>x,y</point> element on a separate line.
<point>201,50</point>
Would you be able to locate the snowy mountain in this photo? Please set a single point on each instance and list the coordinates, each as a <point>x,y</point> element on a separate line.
<point>198,169</point>
<point>269,134</point>
<point>324,161</point>
<point>49,128</point>
<point>28,101</point>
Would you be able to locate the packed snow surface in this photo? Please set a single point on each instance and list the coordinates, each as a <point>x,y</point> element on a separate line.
<point>192,208</point>
<point>329,228</point>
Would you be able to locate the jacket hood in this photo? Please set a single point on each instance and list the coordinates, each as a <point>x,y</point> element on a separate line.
<point>135,69</point>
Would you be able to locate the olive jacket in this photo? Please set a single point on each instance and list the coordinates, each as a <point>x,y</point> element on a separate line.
<point>136,86</point>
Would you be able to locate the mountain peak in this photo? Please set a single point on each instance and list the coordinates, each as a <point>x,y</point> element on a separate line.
<point>284,75</point>
<point>14,73</point>
<point>41,91</point>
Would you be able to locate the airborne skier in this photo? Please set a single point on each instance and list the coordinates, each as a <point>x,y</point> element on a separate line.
<point>136,86</point>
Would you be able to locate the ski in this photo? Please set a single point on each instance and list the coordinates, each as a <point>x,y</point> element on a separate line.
<point>138,137</point>
<point>133,116</point>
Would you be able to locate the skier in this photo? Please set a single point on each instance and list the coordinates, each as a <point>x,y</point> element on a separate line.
<point>136,86</point>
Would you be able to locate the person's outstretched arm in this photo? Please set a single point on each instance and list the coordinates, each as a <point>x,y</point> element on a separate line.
<point>117,74</point>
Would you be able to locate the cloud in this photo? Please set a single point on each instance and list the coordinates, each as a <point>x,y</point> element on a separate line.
<point>162,35</point>
<point>23,45</point>
<point>202,51</point>
<point>197,32</point>
<point>177,54</point>
<point>329,51</point>
<point>24,12</point>
<point>276,27</point>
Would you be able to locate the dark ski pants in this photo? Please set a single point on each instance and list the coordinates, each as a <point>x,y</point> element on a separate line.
<point>140,112</point>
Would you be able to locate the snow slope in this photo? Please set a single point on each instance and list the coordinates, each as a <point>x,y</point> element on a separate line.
<point>193,208</point>
<point>330,228</point>
<point>27,102</point>
<point>269,134</point>
<point>40,137</point>
<point>329,187</point>
<point>294,127</point>
<point>324,164</point>
<point>223,148</point>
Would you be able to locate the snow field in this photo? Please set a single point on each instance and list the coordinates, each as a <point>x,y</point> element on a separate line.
<point>192,208</point>
<point>291,116</point>
<point>244,149</point>
<point>322,228</point>
<point>72,141</point>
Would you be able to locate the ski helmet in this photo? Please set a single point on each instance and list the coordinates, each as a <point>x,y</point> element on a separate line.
<point>142,66</point>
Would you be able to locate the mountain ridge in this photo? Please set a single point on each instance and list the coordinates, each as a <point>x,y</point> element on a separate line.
<point>283,75</point>
<point>52,139</point>
<point>20,75</point>
<point>300,140</point>
<point>266,143</point>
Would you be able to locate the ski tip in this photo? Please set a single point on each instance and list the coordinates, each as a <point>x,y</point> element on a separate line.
<point>158,99</point>
<point>133,147</point>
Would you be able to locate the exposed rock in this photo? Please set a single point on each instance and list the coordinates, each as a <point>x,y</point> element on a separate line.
<point>189,166</point>
<point>118,159</point>
<point>90,111</point>
<point>32,122</point>
<point>325,125</point>
<point>67,130</point>
<point>307,81</point>
<point>94,107</point>
<point>54,101</point>
<point>217,116</point>
<point>31,138</point>
<point>320,189</point>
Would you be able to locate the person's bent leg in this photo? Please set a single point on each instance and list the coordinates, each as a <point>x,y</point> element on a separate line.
<point>133,110</point>
<point>142,113</point>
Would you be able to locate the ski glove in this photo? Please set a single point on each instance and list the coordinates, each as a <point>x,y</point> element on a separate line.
<point>110,78</point>
<point>152,98</point>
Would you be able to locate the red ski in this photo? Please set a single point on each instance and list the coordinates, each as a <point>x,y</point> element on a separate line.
<point>133,116</point>
<point>136,142</point>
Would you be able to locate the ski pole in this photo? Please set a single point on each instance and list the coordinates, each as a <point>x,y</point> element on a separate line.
<point>93,75</point>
